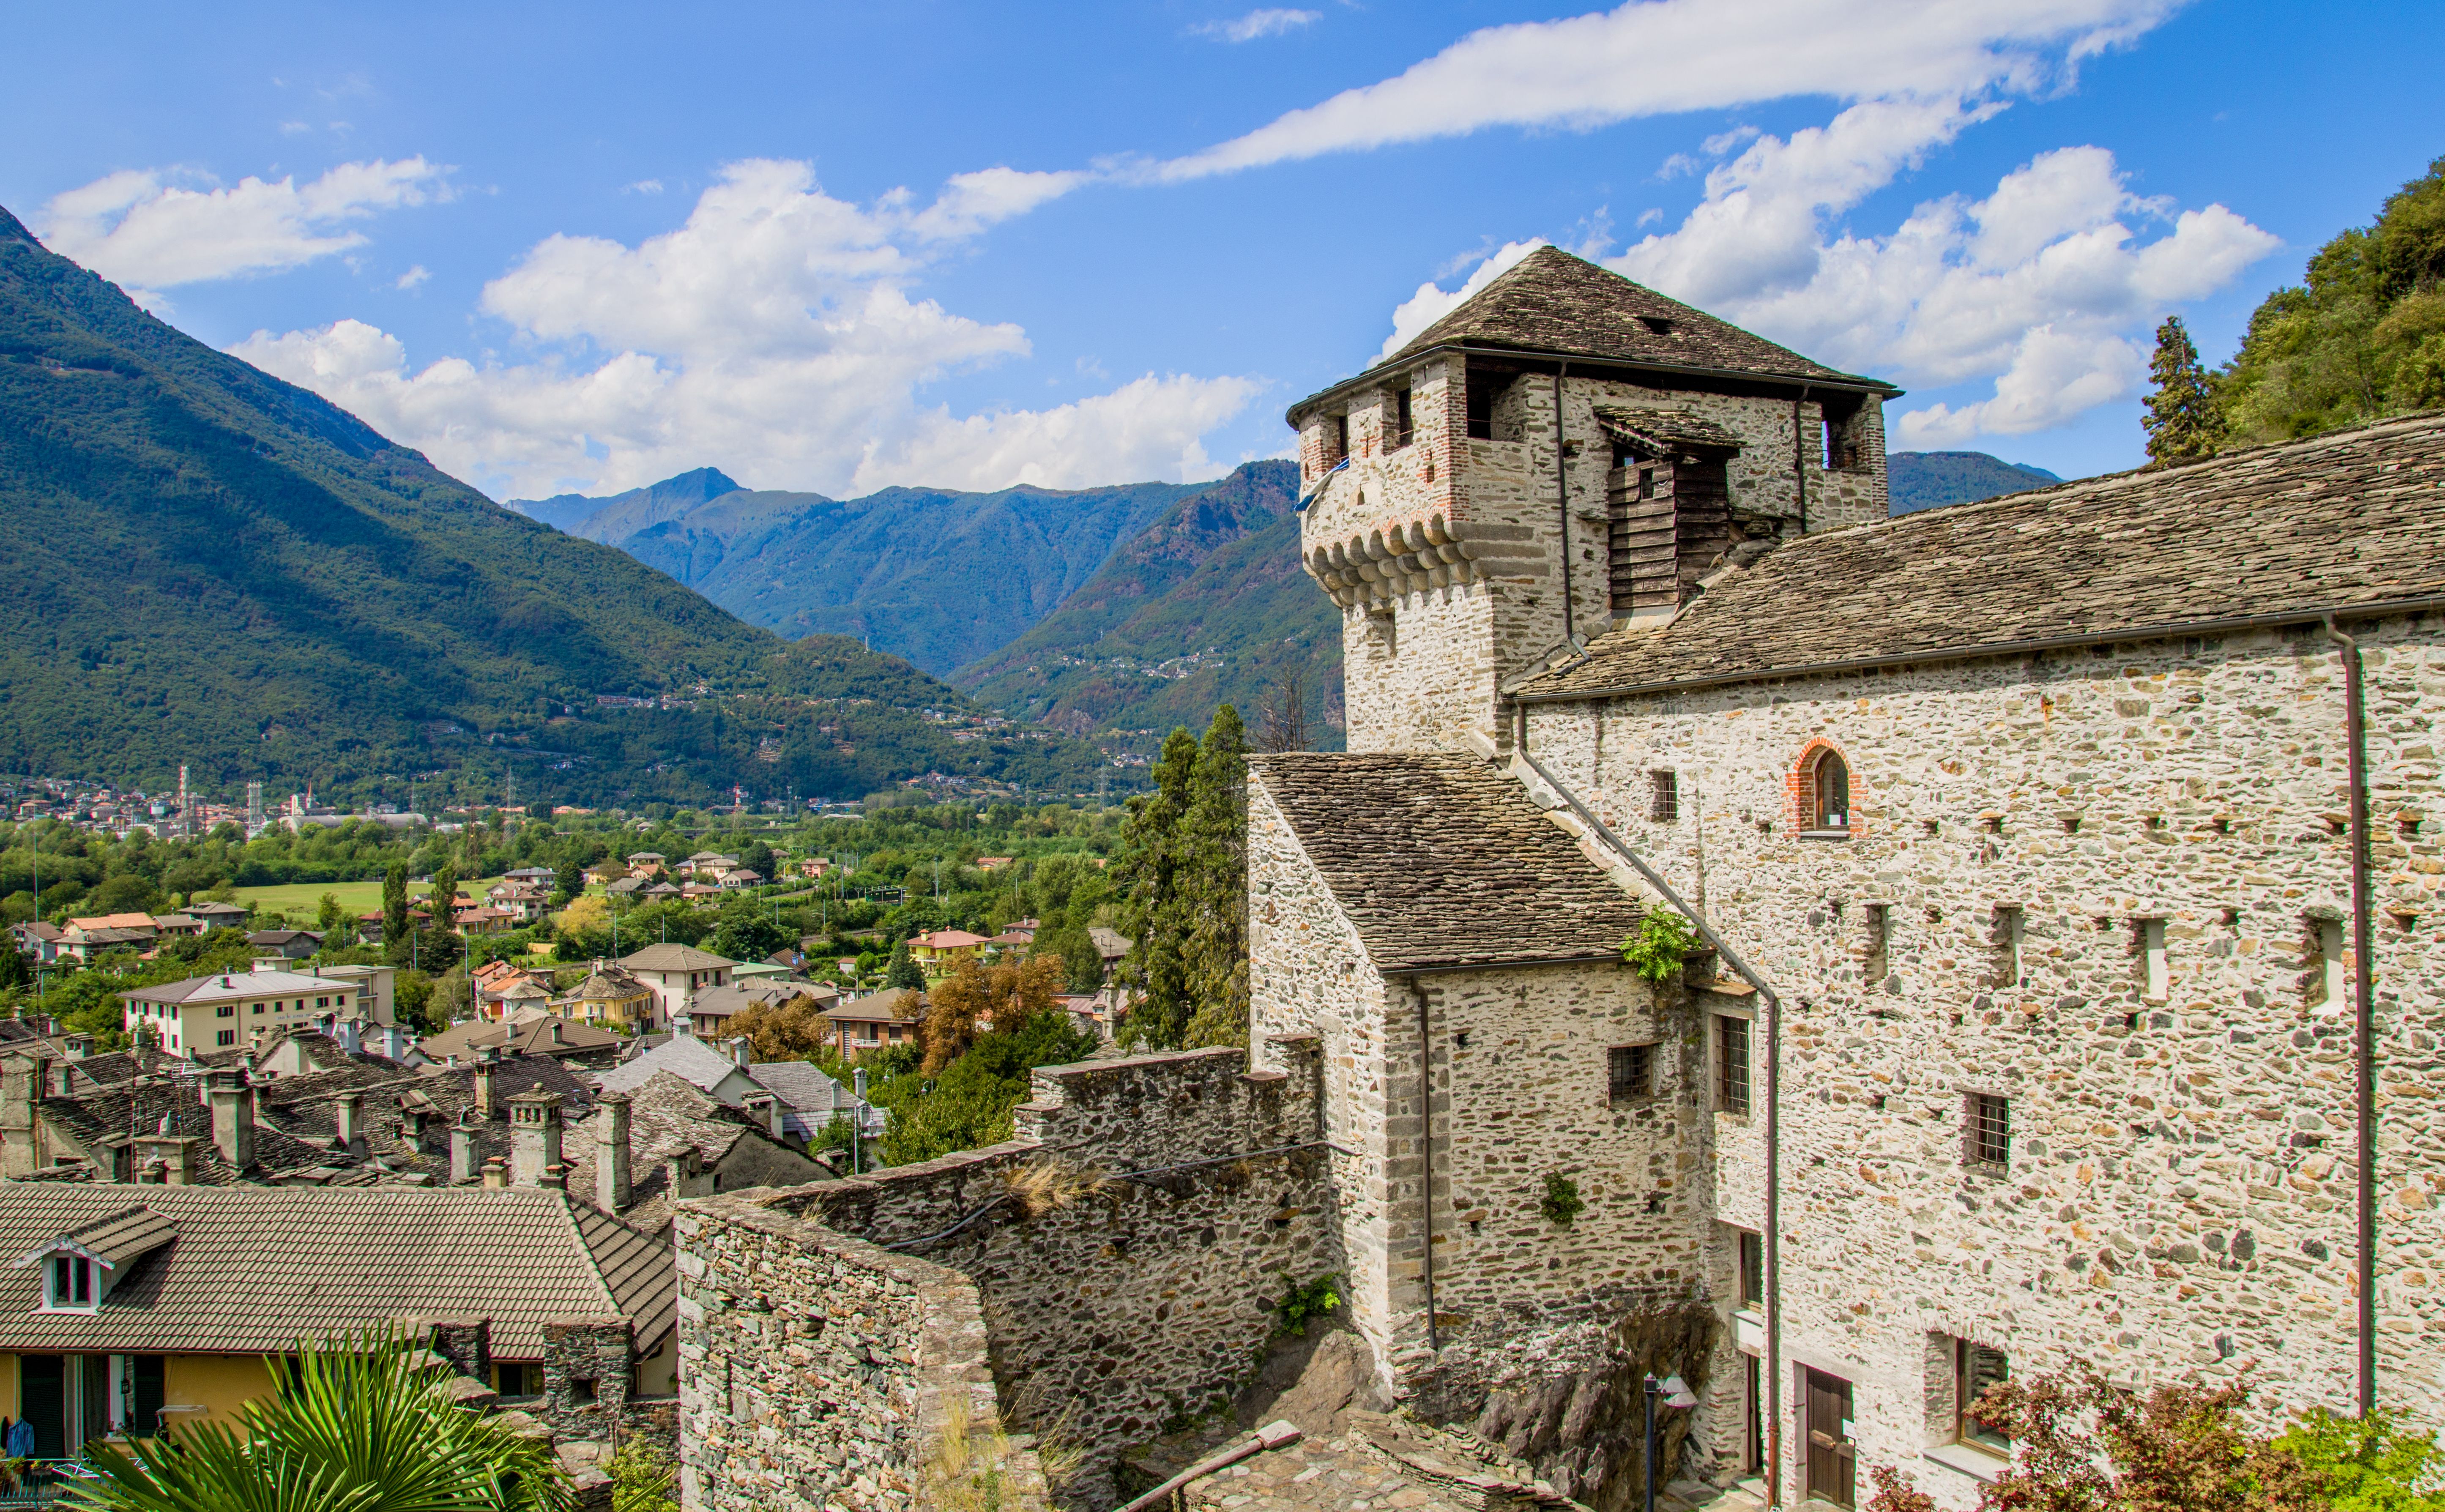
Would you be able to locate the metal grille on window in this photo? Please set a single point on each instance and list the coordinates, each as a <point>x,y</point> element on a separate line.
<point>1632,1071</point>
<point>1990,1129</point>
<point>1664,796</point>
<point>1732,1065</point>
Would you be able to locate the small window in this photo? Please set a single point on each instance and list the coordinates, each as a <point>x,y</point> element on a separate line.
<point>1991,1131</point>
<point>1646,482</point>
<point>71,1282</point>
<point>1732,1065</point>
<point>1631,1072</point>
<point>1976,1367</point>
<point>1341,438</point>
<point>2327,991</point>
<point>1664,796</point>
<point>580,1393</point>
<point>1825,794</point>
<point>1876,951</point>
<point>2010,924</point>
<point>1404,430</point>
<point>1482,388</point>
<point>227,1010</point>
<point>1752,1269</point>
<point>227,1037</point>
<point>2155,982</point>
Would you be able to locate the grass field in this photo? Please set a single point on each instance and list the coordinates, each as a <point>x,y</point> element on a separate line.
<point>303,899</point>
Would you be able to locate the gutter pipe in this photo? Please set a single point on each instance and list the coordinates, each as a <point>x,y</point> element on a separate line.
<point>1562,503</point>
<point>1773,1094</point>
<point>2363,1011</point>
<point>1427,1152</point>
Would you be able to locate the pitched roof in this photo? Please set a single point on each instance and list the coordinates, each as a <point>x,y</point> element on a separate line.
<point>674,957</point>
<point>254,1269</point>
<point>1552,302</point>
<point>2354,518</point>
<point>236,984</point>
<point>1442,861</point>
<point>683,1055</point>
<point>532,1037</point>
<point>892,1005</point>
<point>666,1113</point>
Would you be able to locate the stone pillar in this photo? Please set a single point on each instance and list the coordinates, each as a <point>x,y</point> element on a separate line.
<point>233,1103</point>
<point>463,1153</point>
<point>487,1066</point>
<point>534,1135</point>
<point>173,1154</point>
<point>496,1175</point>
<point>683,1170</point>
<point>612,1187</point>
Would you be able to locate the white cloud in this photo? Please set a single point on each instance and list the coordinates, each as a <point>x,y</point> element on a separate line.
<point>1431,304</point>
<point>1271,22</point>
<point>2045,286</point>
<point>773,333</point>
<point>414,276</point>
<point>1657,57</point>
<point>645,186</point>
<point>137,228</point>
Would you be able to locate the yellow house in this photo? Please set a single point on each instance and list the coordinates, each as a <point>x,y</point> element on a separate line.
<point>137,1308</point>
<point>610,997</point>
<point>939,949</point>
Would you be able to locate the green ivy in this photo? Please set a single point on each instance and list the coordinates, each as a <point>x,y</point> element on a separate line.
<point>1562,1201</point>
<point>1655,947</point>
<point>1311,1299</point>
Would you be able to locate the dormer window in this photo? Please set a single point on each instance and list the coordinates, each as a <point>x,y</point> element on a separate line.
<point>69,1285</point>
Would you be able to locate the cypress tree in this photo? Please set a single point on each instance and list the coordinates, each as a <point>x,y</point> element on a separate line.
<point>1152,910</point>
<point>2185,421</point>
<point>394,904</point>
<point>1214,849</point>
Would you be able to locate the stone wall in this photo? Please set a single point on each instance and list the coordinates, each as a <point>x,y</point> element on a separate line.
<point>2111,886</point>
<point>1113,1308</point>
<point>817,1371</point>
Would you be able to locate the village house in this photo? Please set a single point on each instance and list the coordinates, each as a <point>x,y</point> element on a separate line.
<point>136,1309</point>
<point>202,1014</point>
<point>939,950</point>
<point>610,997</point>
<point>675,972</point>
<point>290,945</point>
<point>891,1017</point>
<point>791,1100</point>
<point>644,863</point>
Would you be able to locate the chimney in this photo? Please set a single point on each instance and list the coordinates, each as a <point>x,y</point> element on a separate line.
<point>612,1191</point>
<point>488,1060</point>
<point>56,1079</point>
<point>121,1152</point>
<point>350,1035</point>
<point>496,1176</point>
<point>270,963</point>
<point>78,1046</point>
<point>463,1153</point>
<point>681,1168</point>
<point>232,1102</point>
<point>348,1109</point>
<point>534,1135</point>
<point>765,1110</point>
<point>155,1173</point>
<point>683,1027</point>
<point>554,1179</point>
<point>742,1050</point>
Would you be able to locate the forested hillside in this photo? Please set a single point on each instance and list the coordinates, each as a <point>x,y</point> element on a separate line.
<point>200,563</point>
<point>1920,480</point>
<point>1208,605</point>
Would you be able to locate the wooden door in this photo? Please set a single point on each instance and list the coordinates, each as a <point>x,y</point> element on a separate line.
<point>1831,1457</point>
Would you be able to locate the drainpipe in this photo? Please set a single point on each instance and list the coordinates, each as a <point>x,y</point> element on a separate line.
<point>1799,462</point>
<point>2363,1011</point>
<point>1740,965</point>
<point>1427,1152</point>
<point>1562,499</point>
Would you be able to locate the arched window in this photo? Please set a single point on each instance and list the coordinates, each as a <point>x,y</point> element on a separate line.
<point>1826,793</point>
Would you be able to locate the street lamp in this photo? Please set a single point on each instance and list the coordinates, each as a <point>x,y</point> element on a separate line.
<point>1676,1393</point>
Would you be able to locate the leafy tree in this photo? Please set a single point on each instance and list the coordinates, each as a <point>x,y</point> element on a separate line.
<point>794,1030</point>
<point>2361,337</point>
<point>750,933</point>
<point>2366,1465</point>
<point>904,971</point>
<point>395,919</point>
<point>1215,848</point>
<point>412,1001</point>
<point>15,971</point>
<point>975,995</point>
<point>330,919</point>
<point>1154,906</point>
<point>759,858</point>
<point>353,1425</point>
<point>444,899</point>
<point>969,1104</point>
<point>2185,421</point>
<point>126,893</point>
<point>569,880</point>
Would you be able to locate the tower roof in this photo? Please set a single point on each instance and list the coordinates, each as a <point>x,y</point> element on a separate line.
<point>1554,305</point>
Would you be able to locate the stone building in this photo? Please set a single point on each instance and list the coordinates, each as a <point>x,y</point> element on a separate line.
<point>2025,834</point>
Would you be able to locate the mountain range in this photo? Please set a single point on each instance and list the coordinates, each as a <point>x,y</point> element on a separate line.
<point>1923,480</point>
<point>203,565</point>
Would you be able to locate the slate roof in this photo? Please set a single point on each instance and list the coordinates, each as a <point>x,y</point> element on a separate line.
<point>2349,519</point>
<point>664,1114</point>
<point>531,1036</point>
<point>1554,303</point>
<point>685,1056</point>
<point>253,1269</point>
<point>674,957</point>
<point>1442,861</point>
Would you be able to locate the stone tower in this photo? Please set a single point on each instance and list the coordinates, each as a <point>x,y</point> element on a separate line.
<point>1565,456</point>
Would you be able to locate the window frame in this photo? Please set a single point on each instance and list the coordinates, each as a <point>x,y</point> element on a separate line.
<point>1985,1437</point>
<point>1749,1267</point>
<point>71,1283</point>
<point>1639,1061</point>
<point>1986,1133</point>
<point>1663,795</point>
<point>1735,1094</point>
<point>1813,805</point>
<point>1402,412</point>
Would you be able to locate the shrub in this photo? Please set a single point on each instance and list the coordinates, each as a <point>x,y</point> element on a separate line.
<point>1561,1202</point>
<point>1655,949</point>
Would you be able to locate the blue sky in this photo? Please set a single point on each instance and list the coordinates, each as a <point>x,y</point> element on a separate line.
<point>842,247</point>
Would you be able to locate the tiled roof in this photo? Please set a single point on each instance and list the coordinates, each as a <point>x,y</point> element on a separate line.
<point>892,1005</point>
<point>236,984</point>
<point>254,1269</point>
<point>1552,302</point>
<point>116,1237</point>
<point>532,1036</point>
<point>1442,861</point>
<point>674,957</point>
<point>2352,518</point>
